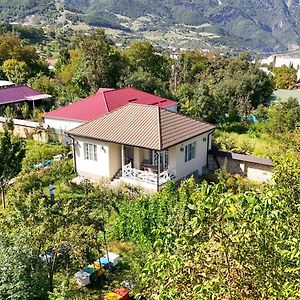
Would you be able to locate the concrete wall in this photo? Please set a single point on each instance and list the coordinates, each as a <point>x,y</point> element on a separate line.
<point>27,129</point>
<point>108,159</point>
<point>254,171</point>
<point>62,125</point>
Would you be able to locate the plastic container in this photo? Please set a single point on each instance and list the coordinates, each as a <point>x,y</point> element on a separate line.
<point>104,261</point>
<point>113,258</point>
<point>112,296</point>
<point>92,271</point>
<point>123,293</point>
<point>46,257</point>
<point>99,268</point>
<point>82,278</point>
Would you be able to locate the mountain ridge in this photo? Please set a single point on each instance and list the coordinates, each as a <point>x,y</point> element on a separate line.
<point>262,25</point>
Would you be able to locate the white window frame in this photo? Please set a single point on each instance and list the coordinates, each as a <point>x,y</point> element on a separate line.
<point>90,151</point>
<point>189,152</point>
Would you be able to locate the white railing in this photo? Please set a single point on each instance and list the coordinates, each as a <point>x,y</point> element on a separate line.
<point>147,177</point>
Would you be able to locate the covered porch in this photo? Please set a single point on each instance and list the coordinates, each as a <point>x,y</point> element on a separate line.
<point>150,168</point>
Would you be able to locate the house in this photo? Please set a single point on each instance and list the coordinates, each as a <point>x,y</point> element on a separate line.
<point>295,86</point>
<point>11,95</point>
<point>99,104</point>
<point>5,83</point>
<point>142,145</point>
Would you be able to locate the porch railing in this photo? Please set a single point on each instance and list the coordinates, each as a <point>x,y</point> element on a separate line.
<point>143,176</point>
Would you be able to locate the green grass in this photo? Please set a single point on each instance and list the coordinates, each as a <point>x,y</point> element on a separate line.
<point>252,139</point>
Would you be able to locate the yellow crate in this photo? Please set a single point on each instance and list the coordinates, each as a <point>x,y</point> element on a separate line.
<point>98,268</point>
<point>112,296</point>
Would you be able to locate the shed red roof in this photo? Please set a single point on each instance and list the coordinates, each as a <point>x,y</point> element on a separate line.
<point>19,93</point>
<point>104,101</point>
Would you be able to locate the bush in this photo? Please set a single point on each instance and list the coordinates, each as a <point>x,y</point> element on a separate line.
<point>237,127</point>
<point>37,152</point>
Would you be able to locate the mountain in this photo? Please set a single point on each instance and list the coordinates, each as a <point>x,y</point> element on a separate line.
<point>259,25</point>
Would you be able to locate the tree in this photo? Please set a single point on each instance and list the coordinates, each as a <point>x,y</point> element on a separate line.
<point>284,76</point>
<point>191,64</point>
<point>69,231</point>
<point>12,152</point>
<point>211,241</point>
<point>103,62</point>
<point>142,55</point>
<point>284,117</point>
<point>197,101</point>
<point>233,86</point>
<point>11,47</point>
<point>147,82</point>
<point>23,274</point>
<point>16,71</point>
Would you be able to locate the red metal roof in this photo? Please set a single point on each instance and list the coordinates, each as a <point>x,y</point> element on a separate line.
<point>17,94</point>
<point>104,101</point>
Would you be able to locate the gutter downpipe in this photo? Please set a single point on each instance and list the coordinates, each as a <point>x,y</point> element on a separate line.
<point>74,154</point>
<point>207,147</point>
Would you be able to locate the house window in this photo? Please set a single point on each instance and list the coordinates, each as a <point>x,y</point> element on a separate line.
<point>90,151</point>
<point>190,152</point>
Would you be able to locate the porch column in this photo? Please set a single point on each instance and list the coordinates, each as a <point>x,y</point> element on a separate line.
<point>122,156</point>
<point>136,157</point>
<point>157,154</point>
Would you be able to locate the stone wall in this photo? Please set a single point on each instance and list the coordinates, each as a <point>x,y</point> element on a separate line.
<point>254,168</point>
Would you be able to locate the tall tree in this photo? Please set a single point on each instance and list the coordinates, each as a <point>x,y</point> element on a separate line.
<point>103,61</point>
<point>16,71</point>
<point>142,55</point>
<point>23,275</point>
<point>284,117</point>
<point>12,152</point>
<point>284,76</point>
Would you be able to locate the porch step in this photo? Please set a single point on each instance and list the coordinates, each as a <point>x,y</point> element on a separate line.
<point>117,175</point>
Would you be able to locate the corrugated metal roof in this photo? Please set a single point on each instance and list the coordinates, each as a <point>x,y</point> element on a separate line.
<point>243,157</point>
<point>144,126</point>
<point>17,94</point>
<point>283,95</point>
<point>104,101</point>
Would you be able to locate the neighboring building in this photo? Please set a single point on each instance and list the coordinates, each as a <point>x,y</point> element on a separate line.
<point>51,63</point>
<point>279,61</point>
<point>4,84</point>
<point>128,143</point>
<point>283,95</point>
<point>18,94</point>
<point>254,168</point>
<point>99,104</point>
<point>295,86</point>
<point>266,70</point>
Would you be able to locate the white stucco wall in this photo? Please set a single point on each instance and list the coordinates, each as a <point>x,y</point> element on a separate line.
<point>109,158</point>
<point>115,159</point>
<point>90,168</point>
<point>62,125</point>
<point>197,164</point>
